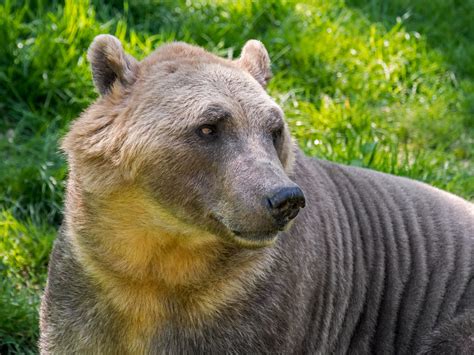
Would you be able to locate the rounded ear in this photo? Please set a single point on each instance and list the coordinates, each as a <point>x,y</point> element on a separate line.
<point>110,63</point>
<point>255,60</point>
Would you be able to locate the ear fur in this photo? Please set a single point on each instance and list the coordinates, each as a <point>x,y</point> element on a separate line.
<point>255,60</point>
<point>110,63</point>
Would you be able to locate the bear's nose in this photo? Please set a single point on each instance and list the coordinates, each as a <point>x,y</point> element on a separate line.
<point>285,204</point>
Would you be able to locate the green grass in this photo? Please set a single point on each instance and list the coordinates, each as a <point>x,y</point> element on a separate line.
<point>385,85</point>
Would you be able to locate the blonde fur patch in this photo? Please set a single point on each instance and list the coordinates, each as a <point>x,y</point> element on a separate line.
<point>148,264</point>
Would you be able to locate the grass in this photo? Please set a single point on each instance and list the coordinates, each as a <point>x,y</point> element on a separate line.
<point>384,85</point>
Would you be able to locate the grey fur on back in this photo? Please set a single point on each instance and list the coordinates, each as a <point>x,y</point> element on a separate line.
<point>374,264</point>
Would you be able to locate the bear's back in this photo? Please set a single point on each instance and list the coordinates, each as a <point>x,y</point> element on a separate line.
<point>404,250</point>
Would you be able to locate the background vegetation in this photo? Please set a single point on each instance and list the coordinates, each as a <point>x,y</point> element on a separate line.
<point>382,84</point>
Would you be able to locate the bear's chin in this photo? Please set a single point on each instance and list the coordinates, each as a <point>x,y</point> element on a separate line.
<point>254,240</point>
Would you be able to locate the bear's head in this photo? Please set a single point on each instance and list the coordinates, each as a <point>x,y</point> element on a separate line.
<point>196,134</point>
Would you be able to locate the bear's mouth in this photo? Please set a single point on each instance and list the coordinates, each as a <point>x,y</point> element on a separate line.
<point>247,238</point>
<point>256,235</point>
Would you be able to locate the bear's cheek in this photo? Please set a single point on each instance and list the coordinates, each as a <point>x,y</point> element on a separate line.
<point>184,184</point>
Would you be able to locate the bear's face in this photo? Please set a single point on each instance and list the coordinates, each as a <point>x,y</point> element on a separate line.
<point>199,135</point>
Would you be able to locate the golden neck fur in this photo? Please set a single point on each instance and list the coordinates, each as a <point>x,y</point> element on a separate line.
<point>127,243</point>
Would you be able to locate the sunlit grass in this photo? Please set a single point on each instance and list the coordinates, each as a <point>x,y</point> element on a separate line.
<point>385,85</point>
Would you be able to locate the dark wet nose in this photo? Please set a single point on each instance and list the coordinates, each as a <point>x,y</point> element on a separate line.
<point>285,204</point>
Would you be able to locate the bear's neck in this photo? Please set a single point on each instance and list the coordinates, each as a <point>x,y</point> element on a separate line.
<point>145,271</point>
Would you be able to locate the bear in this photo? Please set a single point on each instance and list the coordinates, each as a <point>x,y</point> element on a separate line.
<point>194,224</point>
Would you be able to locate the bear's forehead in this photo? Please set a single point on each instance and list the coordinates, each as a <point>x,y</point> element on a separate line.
<point>210,92</point>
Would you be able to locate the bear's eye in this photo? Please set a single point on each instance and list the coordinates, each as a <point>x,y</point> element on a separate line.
<point>207,131</point>
<point>276,135</point>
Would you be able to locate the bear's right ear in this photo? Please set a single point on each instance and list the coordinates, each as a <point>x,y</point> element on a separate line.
<point>110,63</point>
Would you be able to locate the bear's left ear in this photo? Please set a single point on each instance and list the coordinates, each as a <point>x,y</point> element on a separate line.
<point>254,59</point>
<point>110,63</point>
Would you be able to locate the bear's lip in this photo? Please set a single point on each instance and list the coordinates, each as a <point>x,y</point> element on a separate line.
<point>257,235</point>
<point>255,240</point>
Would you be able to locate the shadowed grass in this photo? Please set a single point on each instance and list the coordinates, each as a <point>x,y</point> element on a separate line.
<point>24,250</point>
<point>385,85</point>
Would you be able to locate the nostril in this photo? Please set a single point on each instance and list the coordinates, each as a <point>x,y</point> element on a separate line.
<point>286,202</point>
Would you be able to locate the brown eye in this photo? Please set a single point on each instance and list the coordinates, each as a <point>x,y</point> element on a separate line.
<point>207,131</point>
